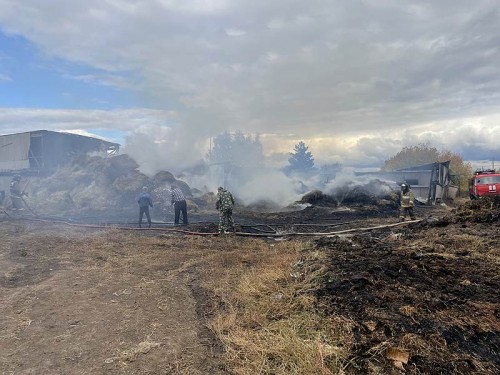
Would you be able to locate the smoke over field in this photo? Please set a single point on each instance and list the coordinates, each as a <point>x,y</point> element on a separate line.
<point>108,187</point>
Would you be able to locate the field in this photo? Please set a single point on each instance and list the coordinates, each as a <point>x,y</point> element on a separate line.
<point>310,292</point>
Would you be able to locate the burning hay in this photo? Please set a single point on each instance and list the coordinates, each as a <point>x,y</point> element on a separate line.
<point>104,186</point>
<point>358,196</point>
<point>316,197</point>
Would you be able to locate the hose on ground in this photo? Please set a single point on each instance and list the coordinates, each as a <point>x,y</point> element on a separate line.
<point>269,235</point>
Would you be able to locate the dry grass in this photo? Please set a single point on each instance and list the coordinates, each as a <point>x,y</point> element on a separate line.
<point>445,244</point>
<point>268,326</point>
<point>266,315</point>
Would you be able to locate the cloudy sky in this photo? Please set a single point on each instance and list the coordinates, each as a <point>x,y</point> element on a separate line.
<point>355,79</point>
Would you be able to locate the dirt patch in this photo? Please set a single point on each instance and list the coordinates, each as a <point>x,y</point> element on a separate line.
<point>85,301</point>
<point>206,307</point>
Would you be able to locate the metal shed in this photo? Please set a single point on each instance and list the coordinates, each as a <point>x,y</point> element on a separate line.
<point>43,151</point>
<point>429,182</point>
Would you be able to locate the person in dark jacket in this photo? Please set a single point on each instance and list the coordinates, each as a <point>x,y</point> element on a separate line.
<point>144,200</point>
<point>179,202</point>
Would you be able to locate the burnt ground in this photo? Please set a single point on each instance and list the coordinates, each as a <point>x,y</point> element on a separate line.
<point>105,301</point>
<point>429,290</point>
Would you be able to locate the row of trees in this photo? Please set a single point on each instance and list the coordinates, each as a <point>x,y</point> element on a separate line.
<point>246,150</point>
<point>237,148</point>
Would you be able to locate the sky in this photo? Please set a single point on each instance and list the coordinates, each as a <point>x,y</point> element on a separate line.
<point>355,80</point>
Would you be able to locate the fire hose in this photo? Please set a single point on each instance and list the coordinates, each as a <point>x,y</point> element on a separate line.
<point>268,235</point>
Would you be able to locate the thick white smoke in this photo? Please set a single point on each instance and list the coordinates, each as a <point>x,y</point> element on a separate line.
<point>268,185</point>
<point>174,149</point>
<point>168,148</point>
<point>347,180</point>
<point>249,185</point>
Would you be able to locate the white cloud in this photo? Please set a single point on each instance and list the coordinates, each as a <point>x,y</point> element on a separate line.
<point>345,76</point>
<point>128,120</point>
<point>276,23</point>
<point>235,32</point>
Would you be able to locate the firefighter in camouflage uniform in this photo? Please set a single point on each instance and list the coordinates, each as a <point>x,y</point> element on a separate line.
<point>224,204</point>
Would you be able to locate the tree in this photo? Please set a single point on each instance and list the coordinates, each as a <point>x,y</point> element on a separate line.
<point>412,156</point>
<point>237,149</point>
<point>461,169</point>
<point>423,153</point>
<point>301,160</point>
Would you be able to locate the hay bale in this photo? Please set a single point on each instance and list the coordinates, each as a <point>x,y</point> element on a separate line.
<point>186,190</point>
<point>94,197</point>
<point>130,182</point>
<point>206,201</point>
<point>163,178</point>
<point>316,197</point>
<point>192,206</point>
<point>53,203</point>
<point>359,196</point>
<point>312,197</point>
<point>121,163</point>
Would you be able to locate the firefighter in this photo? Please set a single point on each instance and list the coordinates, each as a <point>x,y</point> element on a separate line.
<point>407,202</point>
<point>144,200</point>
<point>224,204</point>
<point>16,194</point>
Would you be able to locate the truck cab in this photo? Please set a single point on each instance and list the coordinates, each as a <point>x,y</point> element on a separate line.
<point>484,183</point>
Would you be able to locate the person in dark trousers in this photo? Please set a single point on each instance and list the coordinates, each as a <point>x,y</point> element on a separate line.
<point>407,201</point>
<point>224,204</point>
<point>145,201</point>
<point>16,194</point>
<point>179,202</point>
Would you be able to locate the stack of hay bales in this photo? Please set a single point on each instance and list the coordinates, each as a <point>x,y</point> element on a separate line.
<point>100,186</point>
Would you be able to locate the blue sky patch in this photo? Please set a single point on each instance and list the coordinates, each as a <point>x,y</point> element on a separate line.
<point>30,80</point>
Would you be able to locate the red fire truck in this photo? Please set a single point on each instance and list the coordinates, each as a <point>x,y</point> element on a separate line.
<point>483,183</point>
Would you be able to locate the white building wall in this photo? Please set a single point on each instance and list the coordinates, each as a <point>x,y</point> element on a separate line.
<point>14,152</point>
